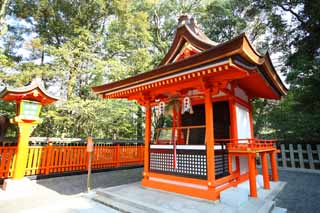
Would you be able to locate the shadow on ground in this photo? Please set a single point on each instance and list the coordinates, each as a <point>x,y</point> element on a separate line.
<point>70,185</point>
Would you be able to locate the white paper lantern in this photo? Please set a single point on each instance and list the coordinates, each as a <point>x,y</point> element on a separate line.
<point>162,108</point>
<point>187,106</point>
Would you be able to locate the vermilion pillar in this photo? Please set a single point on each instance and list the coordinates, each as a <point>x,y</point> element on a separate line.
<point>147,138</point>
<point>234,130</point>
<point>252,175</point>
<point>209,139</point>
<point>274,167</point>
<point>265,173</point>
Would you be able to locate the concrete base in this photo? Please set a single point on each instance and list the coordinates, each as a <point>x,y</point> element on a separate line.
<point>259,179</point>
<point>135,198</point>
<point>279,210</point>
<point>245,185</point>
<point>23,186</point>
<point>234,197</point>
<point>238,196</point>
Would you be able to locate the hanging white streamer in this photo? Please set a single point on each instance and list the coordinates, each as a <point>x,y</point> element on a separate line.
<point>162,107</point>
<point>187,106</point>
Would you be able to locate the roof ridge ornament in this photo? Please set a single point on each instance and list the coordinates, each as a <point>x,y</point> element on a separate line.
<point>183,19</point>
<point>190,21</point>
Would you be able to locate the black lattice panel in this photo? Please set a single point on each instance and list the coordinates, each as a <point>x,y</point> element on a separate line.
<point>221,163</point>
<point>190,163</point>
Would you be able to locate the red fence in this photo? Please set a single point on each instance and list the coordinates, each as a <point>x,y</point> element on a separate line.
<point>44,160</point>
<point>6,161</point>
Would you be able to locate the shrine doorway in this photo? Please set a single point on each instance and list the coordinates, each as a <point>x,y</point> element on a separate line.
<point>197,118</point>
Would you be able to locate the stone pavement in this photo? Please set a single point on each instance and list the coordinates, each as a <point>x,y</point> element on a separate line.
<point>65,194</point>
<point>75,184</point>
<point>41,199</point>
<point>134,198</point>
<point>301,193</point>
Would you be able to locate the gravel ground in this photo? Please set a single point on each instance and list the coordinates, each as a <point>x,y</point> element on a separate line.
<point>302,192</point>
<point>70,185</point>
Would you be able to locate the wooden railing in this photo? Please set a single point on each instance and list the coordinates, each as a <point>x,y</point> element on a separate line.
<point>248,144</point>
<point>44,160</point>
<point>182,134</point>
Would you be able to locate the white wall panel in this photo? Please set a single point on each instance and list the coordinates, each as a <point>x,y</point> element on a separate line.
<point>243,165</point>
<point>244,131</point>
<point>243,122</point>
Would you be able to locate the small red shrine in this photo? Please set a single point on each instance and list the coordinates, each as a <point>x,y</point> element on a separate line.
<point>210,145</point>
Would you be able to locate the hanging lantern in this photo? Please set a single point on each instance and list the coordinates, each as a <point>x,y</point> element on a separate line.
<point>187,106</point>
<point>162,107</point>
<point>156,110</point>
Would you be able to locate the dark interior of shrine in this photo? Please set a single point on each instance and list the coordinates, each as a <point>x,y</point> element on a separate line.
<point>221,122</point>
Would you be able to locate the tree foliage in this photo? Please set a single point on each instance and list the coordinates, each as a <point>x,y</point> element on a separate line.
<point>73,45</point>
<point>295,31</point>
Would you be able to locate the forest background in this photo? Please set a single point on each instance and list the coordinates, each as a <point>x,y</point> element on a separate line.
<point>75,44</point>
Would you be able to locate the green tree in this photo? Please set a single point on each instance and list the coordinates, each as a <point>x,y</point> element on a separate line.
<point>295,31</point>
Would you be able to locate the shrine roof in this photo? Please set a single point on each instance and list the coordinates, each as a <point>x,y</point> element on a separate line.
<point>35,91</point>
<point>191,49</point>
<point>187,31</point>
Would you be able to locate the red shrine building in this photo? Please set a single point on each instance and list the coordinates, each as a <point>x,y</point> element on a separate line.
<point>209,87</point>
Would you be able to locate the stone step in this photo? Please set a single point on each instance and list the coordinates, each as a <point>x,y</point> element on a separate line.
<point>234,197</point>
<point>267,207</point>
<point>124,204</point>
<point>279,210</point>
<point>116,205</point>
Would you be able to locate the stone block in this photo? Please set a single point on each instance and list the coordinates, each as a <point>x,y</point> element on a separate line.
<point>279,210</point>
<point>234,197</point>
<point>244,185</point>
<point>259,179</point>
<point>18,187</point>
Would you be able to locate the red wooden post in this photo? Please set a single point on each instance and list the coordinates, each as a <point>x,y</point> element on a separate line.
<point>265,173</point>
<point>252,175</point>
<point>274,167</point>
<point>209,139</point>
<point>147,139</point>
